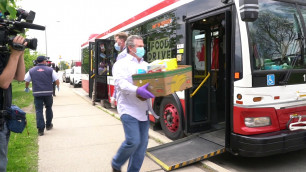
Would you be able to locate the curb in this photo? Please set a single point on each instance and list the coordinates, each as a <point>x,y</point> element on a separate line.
<point>213,167</point>
<point>153,135</point>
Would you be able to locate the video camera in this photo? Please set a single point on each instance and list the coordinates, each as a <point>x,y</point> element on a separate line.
<point>10,28</point>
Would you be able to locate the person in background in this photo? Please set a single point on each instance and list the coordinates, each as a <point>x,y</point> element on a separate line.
<point>42,78</point>
<point>102,51</point>
<point>55,68</point>
<point>133,111</point>
<point>120,46</point>
<point>102,70</point>
<point>11,67</point>
<point>120,39</point>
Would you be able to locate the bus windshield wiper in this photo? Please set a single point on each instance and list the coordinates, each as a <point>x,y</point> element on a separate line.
<point>288,74</point>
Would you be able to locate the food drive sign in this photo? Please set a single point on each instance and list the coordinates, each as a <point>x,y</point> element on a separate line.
<point>159,49</point>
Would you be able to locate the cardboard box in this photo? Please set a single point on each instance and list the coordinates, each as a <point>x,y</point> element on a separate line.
<point>165,83</point>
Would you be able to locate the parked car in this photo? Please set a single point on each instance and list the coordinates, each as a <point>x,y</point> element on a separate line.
<point>76,76</point>
<point>66,75</point>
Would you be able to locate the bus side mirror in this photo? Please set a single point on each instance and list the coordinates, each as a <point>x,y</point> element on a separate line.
<point>248,10</point>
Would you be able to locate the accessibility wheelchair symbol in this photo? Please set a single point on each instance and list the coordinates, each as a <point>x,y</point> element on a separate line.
<point>271,79</point>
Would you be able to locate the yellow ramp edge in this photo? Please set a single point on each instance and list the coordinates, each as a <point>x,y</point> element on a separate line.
<point>159,162</point>
<point>185,163</point>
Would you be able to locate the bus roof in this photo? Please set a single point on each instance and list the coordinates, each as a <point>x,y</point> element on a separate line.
<point>160,7</point>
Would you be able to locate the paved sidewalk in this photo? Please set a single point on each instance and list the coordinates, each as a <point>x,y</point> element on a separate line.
<point>85,137</point>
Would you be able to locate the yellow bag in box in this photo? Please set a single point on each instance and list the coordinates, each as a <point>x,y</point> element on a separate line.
<point>166,64</point>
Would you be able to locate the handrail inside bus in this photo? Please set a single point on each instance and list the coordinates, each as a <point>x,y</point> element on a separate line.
<point>92,76</point>
<point>196,90</point>
<point>91,52</point>
<point>198,76</point>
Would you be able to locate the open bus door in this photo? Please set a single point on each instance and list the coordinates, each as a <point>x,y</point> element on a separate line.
<point>208,40</point>
<point>104,59</point>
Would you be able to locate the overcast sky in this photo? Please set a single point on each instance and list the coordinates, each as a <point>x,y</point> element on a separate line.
<point>70,22</point>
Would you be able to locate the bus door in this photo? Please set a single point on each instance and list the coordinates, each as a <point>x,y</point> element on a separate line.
<point>91,67</point>
<point>208,56</point>
<point>104,59</point>
<point>208,38</point>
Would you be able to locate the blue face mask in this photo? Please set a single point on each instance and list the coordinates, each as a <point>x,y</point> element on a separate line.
<point>140,51</point>
<point>117,47</point>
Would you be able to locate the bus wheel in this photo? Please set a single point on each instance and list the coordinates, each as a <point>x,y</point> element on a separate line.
<point>170,119</point>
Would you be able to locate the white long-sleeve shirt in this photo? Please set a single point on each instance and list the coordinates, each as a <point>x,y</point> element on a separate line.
<point>127,102</point>
<point>122,54</point>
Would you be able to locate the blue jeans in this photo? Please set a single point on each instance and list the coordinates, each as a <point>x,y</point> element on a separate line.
<point>4,139</point>
<point>39,102</point>
<point>135,144</point>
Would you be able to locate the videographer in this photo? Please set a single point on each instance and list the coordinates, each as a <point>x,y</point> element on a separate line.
<point>11,67</point>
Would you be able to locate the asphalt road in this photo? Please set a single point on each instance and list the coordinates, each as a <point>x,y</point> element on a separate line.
<point>289,162</point>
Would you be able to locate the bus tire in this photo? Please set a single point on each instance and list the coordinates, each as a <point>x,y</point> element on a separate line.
<point>171,118</point>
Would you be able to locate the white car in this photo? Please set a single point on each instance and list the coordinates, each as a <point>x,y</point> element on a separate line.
<point>76,76</point>
<point>66,75</point>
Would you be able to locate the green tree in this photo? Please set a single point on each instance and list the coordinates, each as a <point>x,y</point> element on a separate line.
<point>8,6</point>
<point>29,58</point>
<point>63,65</point>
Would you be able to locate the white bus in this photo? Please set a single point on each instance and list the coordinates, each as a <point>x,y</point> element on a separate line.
<point>249,74</point>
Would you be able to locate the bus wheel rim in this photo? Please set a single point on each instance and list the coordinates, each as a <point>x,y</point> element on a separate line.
<point>171,118</point>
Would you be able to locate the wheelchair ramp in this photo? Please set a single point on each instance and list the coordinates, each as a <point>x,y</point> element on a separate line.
<point>188,150</point>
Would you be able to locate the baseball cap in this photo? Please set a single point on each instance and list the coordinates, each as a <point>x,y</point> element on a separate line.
<point>41,59</point>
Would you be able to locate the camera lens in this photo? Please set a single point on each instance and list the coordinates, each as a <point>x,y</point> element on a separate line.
<point>32,43</point>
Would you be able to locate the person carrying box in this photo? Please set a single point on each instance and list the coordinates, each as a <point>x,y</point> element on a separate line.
<point>132,110</point>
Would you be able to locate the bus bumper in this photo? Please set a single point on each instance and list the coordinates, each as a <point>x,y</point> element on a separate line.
<point>268,144</point>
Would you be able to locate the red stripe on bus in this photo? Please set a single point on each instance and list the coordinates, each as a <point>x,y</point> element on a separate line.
<point>141,15</point>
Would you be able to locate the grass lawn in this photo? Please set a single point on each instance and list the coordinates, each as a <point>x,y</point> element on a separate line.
<point>23,148</point>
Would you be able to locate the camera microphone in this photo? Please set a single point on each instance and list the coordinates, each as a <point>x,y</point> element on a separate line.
<point>10,28</point>
<point>29,25</point>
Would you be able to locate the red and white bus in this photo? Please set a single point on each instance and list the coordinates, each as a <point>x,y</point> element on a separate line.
<point>248,67</point>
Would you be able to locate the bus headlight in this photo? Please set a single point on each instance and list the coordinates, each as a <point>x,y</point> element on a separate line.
<point>257,121</point>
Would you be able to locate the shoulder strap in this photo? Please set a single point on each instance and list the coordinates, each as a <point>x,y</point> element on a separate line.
<point>4,99</point>
<point>3,110</point>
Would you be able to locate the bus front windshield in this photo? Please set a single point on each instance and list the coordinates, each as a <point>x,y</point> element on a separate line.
<point>277,36</point>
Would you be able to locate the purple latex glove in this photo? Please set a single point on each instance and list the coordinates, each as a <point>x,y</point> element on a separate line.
<point>143,92</point>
